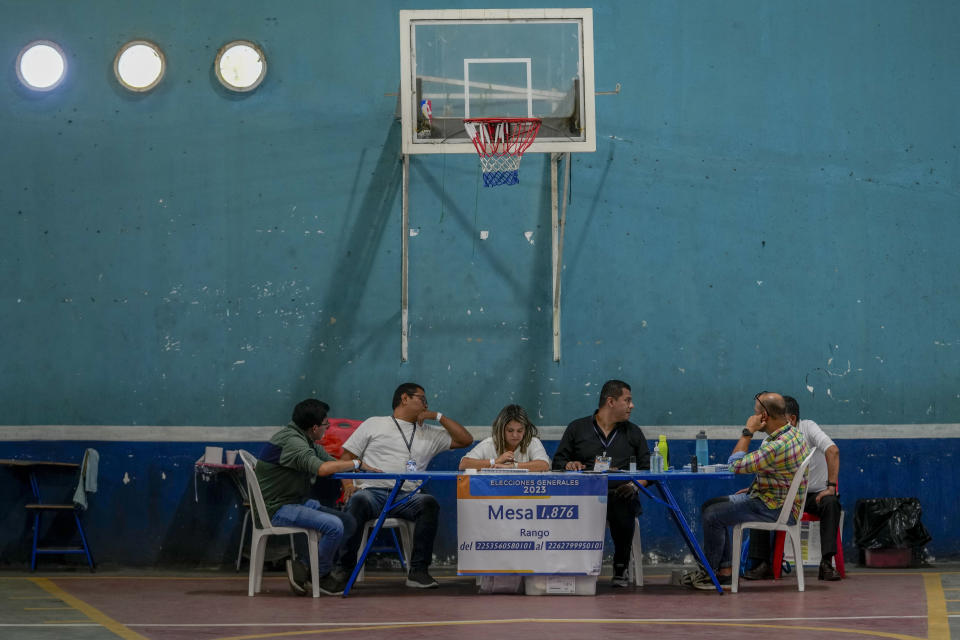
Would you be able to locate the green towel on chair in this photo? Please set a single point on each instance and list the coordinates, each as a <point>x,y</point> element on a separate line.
<point>88,478</point>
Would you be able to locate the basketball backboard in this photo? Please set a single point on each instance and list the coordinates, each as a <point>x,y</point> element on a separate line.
<point>477,63</point>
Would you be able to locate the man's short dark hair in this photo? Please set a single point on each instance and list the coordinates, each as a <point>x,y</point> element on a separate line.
<point>407,388</point>
<point>612,389</point>
<point>793,407</point>
<point>310,412</point>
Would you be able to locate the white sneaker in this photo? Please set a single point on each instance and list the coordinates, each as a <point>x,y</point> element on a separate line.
<point>701,580</point>
<point>687,578</point>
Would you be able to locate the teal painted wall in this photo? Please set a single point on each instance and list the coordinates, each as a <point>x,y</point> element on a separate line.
<point>773,204</point>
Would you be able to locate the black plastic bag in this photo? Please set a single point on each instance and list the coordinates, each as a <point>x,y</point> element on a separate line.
<point>885,523</point>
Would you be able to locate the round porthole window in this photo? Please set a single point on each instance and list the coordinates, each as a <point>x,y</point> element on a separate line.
<point>42,65</point>
<point>240,65</point>
<point>139,65</point>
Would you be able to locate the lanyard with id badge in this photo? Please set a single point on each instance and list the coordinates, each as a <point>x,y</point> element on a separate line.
<point>411,463</point>
<point>602,462</point>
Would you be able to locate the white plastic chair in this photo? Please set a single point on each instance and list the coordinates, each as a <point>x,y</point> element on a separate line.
<point>635,567</point>
<point>261,529</point>
<point>406,539</point>
<point>793,530</point>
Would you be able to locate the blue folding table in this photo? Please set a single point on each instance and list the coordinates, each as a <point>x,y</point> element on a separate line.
<point>660,481</point>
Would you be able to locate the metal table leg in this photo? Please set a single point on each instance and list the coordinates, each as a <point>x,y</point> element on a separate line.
<point>667,500</point>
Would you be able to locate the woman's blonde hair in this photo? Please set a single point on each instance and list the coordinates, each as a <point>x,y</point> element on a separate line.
<point>510,413</point>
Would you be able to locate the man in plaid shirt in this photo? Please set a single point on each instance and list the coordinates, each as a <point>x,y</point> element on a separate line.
<point>774,463</point>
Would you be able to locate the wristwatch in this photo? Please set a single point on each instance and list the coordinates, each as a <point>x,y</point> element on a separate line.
<point>746,433</point>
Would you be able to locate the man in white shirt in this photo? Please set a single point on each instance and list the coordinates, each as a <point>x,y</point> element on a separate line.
<point>397,443</point>
<point>822,499</point>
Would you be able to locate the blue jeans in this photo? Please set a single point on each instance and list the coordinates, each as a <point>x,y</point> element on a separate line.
<point>422,509</point>
<point>719,514</point>
<point>333,525</point>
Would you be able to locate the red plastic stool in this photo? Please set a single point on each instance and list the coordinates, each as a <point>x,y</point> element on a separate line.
<point>778,548</point>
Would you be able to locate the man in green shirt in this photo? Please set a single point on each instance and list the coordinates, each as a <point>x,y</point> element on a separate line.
<point>287,468</point>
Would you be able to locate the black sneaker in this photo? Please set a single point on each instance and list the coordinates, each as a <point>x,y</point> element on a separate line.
<point>331,585</point>
<point>827,572</point>
<point>341,574</point>
<point>420,579</point>
<point>298,576</point>
<point>762,571</point>
<point>620,581</point>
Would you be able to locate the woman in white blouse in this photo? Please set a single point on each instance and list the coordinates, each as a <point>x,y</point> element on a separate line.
<point>514,444</point>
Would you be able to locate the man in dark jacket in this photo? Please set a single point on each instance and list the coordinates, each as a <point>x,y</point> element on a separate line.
<point>608,433</point>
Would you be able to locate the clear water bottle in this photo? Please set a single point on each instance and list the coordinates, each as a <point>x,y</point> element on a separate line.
<point>703,450</point>
<point>656,461</point>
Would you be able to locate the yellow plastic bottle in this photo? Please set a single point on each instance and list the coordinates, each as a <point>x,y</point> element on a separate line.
<point>662,448</point>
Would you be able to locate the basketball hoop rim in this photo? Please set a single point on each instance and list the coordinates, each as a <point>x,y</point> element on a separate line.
<point>530,120</point>
<point>517,135</point>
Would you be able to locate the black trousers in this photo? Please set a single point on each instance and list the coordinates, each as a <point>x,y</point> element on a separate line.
<point>622,516</point>
<point>829,512</point>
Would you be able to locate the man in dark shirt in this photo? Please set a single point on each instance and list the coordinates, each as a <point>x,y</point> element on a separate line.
<point>608,432</point>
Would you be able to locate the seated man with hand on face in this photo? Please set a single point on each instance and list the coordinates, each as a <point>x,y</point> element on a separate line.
<point>822,501</point>
<point>608,433</point>
<point>775,463</point>
<point>397,443</point>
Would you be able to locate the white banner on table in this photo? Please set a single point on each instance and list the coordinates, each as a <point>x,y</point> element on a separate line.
<point>531,523</point>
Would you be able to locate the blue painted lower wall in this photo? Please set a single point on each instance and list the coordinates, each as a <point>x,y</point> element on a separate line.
<point>147,513</point>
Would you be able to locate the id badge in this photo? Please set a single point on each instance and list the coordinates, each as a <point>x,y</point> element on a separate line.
<point>601,463</point>
<point>411,465</point>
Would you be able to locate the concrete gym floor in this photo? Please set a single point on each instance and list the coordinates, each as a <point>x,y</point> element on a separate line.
<point>76,605</point>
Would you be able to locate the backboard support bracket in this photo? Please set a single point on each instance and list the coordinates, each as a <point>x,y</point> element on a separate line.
<point>558,222</point>
<point>405,261</point>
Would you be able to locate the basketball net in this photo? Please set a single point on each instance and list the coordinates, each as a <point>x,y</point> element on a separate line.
<point>500,143</point>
